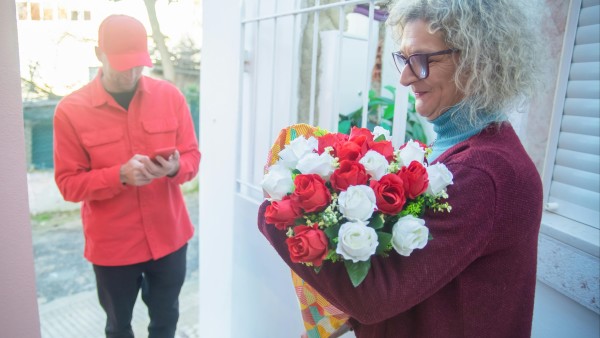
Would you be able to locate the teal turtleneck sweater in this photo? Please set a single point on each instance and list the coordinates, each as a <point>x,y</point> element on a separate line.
<point>453,127</point>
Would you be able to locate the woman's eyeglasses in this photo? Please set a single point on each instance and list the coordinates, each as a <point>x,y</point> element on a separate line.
<point>419,62</point>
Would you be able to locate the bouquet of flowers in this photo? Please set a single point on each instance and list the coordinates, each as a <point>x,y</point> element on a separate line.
<point>344,198</point>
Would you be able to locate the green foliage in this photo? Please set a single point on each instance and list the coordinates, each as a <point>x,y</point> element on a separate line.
<point>414,207</point>
<point>357,271</point>
<point>332,233</point>
<point>377,103</point>
<point>377,222</point>
<point>333,256</point>
<point>192,96</point>
<point>385,243</point>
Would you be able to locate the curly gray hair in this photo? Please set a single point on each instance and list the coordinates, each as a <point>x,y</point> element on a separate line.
<point>499,43</point>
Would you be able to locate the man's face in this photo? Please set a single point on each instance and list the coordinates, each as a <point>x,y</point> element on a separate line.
<point>115,81</point>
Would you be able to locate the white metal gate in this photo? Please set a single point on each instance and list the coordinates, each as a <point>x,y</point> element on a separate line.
<point>299,61</point>
<point>278,89</point>
<point>291,70</point>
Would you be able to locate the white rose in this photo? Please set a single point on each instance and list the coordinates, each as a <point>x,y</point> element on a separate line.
<point>378,131</point>
<point>357,241</point>
<point>298,148</point>
<point>411,152</point>
<point>313,163</point>
<point>439,178</point>
<point>375,164</point>
<point>277,182</point>
<point>357,203</point>
<point>409,233</point>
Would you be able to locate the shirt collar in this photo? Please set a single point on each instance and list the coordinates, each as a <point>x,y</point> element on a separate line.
<point>101,96</point>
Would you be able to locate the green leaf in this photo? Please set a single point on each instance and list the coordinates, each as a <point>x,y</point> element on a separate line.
<point>344,126</point>
<point>391,89</point>
<point>388,112</point>
<point>380,138</point>
<point>384,240</point>
<point>386,124</point>
<point>371,93</point>
<point>357,271</point>
<point>380,100</point>
<point>377,222</point>
<point>332,256</point>
<point>332,231</point>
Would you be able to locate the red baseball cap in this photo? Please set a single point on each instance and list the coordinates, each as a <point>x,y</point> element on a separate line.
<point>124,41</point>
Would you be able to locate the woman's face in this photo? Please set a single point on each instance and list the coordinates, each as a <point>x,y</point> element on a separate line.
<point>438,92</point>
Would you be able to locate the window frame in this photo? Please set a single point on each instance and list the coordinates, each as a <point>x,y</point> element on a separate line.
<point>568,250</point>
<point>582,236</point>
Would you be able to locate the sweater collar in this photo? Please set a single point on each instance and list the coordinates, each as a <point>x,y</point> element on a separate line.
<point>453,127</point>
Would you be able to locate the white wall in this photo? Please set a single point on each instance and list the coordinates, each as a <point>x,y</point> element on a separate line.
<point>18,305</point>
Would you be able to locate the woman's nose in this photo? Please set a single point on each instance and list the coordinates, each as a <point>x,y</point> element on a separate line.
<point>407,76</point>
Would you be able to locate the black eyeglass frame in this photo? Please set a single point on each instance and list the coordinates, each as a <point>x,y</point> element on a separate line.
<point>424,60</point>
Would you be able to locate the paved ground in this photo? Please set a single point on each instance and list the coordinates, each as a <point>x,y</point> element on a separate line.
<point>65,280</point>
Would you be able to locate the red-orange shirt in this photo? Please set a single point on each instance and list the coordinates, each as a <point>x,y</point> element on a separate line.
<point>93,137</point>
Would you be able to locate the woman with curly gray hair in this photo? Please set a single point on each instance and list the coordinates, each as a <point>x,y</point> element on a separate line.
<point>469,63</point>
<point>489,65</point>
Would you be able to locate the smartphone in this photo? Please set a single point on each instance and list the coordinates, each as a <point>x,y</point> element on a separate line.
<point>164,152</point>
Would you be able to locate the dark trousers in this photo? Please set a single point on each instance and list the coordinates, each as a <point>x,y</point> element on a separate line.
<point>160,281</point>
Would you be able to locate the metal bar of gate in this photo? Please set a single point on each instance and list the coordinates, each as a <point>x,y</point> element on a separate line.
<point>244,179</point>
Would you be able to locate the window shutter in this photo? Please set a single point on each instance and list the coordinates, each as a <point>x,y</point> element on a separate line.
<point>575,186</point>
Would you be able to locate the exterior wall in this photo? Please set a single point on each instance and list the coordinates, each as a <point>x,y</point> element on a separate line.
<point>18,305</point>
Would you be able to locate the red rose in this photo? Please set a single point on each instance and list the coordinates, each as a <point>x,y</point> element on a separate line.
<point>349,173</point>
<point>311,193</point>
<point>308,245</point>
<point>360,135</point>
<point>348,151</point>
<point>331,140</point>
<point>385,148</point>
<point>282,213</point>
<point>415,179</point>
<point>389,194</point>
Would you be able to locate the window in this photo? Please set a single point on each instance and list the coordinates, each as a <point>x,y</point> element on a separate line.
<point>48,13</point>
<point>569,245</point>
<point>62,13</point>
<point>50,10</point>
<point>35,11</point>
<point>22,10</point>
<point>572,180</point>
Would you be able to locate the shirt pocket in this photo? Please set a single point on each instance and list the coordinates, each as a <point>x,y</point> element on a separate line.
<point>160,133</point>
<point>105,147</point>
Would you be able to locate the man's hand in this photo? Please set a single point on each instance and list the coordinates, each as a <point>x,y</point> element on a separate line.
<point>161,167</point>
<point>134,172</point>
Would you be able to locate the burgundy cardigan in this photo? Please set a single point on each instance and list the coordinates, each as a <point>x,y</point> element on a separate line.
<point>475,278</point>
